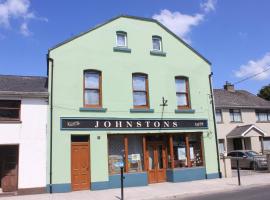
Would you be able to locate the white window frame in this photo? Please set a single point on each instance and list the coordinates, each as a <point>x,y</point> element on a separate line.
<point>125,36</point>
<point>221,117</point>
<point>160,43</point>
<point>233,112</point>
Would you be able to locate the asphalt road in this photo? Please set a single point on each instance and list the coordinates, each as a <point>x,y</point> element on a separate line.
<point>250,193</point>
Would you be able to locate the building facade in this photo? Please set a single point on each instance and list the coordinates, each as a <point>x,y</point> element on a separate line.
<point>23,121</point>
<point>243,120</point>
<point>129,93</point>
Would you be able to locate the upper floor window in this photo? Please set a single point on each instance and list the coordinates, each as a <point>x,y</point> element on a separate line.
<point>218,116</point>
<point>10,110</point>
<point>182,92</point>
<point>262,116</point>
<point>235,115</point>
<point>140,90</point>
<point>92,88</point>
<point>121,39</point>
<point>157,43</point>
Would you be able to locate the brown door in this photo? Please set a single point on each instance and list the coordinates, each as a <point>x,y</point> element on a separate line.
<point>9,171</point>
<point>80,170</point>
<point>156,156</point>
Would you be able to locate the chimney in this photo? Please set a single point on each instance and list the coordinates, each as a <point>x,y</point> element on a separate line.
<point>229,87</point>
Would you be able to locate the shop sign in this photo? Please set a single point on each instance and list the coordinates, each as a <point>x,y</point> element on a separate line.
<point>126,124</point>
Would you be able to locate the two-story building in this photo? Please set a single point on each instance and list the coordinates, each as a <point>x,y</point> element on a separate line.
<point>243,120</point>
<point>23,123</point>
<point>129,92</point>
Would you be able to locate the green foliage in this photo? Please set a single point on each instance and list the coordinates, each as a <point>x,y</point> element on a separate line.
<point>265,92</point>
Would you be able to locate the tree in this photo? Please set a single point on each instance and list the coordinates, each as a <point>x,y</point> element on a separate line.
<point>265,92</point>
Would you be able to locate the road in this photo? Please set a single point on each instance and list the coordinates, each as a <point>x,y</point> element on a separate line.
<point>250,193</point>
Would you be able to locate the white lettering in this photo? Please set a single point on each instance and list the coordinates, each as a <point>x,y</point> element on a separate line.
<point>107,124</point>
<point>129,124</point>
<point>166,124</point>
<point>174,124</point>
<point>147,123</point>
<point>156,124</point>
<point>139,124</point>
<point>118,124</point>
<point>97,124</point>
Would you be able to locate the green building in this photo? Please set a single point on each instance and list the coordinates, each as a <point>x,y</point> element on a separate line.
<point>129,92</point>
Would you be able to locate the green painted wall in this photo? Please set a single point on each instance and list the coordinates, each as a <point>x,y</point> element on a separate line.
<point>94,50</point>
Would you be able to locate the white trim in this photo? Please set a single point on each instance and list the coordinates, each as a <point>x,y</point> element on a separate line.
<point>253,126</point>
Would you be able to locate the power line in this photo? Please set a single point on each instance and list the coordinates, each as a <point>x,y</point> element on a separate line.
<point>252,76</point>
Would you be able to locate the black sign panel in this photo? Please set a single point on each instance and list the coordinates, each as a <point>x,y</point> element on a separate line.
<point>126,124</point>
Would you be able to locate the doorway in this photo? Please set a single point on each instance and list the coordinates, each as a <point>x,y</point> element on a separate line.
<point>9,168</point>
<point>156,156</point>
<point>80,163</point>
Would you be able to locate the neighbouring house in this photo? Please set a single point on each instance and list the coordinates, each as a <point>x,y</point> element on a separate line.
<point>243,120</point>
<point>23,121</point>
<point>129,93</point>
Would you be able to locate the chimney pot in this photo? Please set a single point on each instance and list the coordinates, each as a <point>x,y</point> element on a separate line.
<point>229,87</point>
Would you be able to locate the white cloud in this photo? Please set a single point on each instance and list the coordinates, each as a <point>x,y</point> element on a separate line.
<point>17,10</point>
<point>181,24</point>
<point>209,5</point>
<point>254,67</point>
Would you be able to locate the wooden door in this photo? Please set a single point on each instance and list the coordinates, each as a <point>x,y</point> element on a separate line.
<point>9,174</point>
<point>80,166</point>
<point>156,156</point>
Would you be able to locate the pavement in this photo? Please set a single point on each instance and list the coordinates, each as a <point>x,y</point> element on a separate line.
<point>159,191</point>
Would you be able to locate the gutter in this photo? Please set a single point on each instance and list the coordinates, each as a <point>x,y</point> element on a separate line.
<point>24,94</point>
<point>51,113</point>
<point>214,117</point>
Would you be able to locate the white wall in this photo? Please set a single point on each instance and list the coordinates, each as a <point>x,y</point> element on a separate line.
<point>31,137</point>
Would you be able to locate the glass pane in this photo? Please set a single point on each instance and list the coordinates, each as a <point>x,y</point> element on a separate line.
<point>116,152</point>
<point>91,97</point>
<point>151,157</point>
<point>121,39</point>
<point>179,148</point>
<point>231,116</point>
<point>266,144</point>
<point>195,150</point>
<point>139,83</point>
<point>135,153</point>
<point>10,104</point>
<point>263,117</point>
<point>237,117</point>
<point>180,85</point>
<point>9,114</point>
<point>160,157</point>
<point>91,80</point>
<point>139,98</point>
<point>156,44</point>
<point>181,100</point>
<point>218,116</point>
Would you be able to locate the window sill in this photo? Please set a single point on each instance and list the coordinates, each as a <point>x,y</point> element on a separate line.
<point>158,53</point>
<point>93,109</point>
<point>262,121</point>
<point>11,122</point>
<point>184,111</point>
<point>141,110</point>
<point>233,122</point>
<point>122,49</point>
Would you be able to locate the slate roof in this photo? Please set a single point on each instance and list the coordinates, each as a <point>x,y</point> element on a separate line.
<point>239,130</point>
<point>238,99</point>
<point>12,85</point>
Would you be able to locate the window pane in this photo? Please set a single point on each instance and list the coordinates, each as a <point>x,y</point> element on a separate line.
<point>91,80</point>
<point>231,116</point>
<point>179,148</point>
<point>266,144</point>
<point>121,39</point>
<point>10,104</point>
<point>156,44</point>
<point>91,97</point>
<point>180,85</point>
<point>139,83</point>
<point>262,117</point>
<point>135,153</point>
<point>116,152</point>
<point>237,117</point>
<point>221,146</point>
<point>139,98</point>
<point>218,116</point>
<point>9,114</point>
<point>181,100</point>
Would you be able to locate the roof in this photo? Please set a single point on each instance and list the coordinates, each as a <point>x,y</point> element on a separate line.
<point>238,99</point>
<point>31,86</point>
<point>136,18</point>
<point>241,131</point>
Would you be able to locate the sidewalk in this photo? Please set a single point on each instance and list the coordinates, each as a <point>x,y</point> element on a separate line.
<point>156,191</point>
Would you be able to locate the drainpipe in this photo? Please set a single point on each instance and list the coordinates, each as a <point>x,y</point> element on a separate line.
<point>51,113</point>
<point>214,118</point>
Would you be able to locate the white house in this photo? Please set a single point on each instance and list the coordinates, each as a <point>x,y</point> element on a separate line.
<point>23,121</point>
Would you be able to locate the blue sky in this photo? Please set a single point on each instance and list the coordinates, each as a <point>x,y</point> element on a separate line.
<point>232,34</point>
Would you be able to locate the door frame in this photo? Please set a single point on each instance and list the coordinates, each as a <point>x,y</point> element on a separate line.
<point>165,164</point>
<point>16,145</point>
<point>71,163</point>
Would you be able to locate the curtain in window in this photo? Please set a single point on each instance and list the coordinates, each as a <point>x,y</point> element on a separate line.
<point>139,90</point>
<point>218,116</point>
<point>121,39</point>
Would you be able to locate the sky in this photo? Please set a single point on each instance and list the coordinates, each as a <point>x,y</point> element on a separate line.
<point>234,35</point>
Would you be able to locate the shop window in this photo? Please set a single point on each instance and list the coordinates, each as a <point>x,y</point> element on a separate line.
<point>182,92</point>
<point>235,115</point>
<point>125,150</point>
<point>10,110</point>
<point>92,88</point>
<point>218,116</point>
<point>187,150</point>
<point>140,91</point>
<point>121,39</point>
<point>157,43</point>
